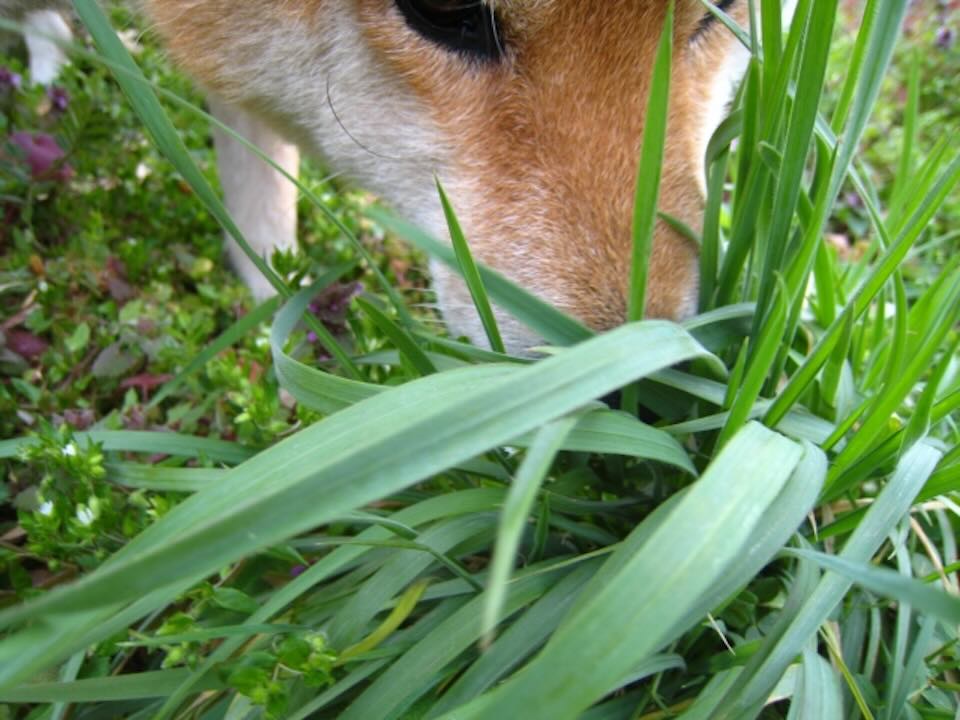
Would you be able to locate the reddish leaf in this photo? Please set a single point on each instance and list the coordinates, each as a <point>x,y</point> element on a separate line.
<point>145,381</point>
<point>26,344</point>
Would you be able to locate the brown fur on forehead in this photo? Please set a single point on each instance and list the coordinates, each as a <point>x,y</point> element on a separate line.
<point>209,37</point>
<point>547,143</point>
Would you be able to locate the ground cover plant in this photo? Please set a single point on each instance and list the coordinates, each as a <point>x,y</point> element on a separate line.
<point>214,510</point>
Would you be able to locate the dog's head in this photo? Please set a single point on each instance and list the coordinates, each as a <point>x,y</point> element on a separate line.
<point>531,112</point>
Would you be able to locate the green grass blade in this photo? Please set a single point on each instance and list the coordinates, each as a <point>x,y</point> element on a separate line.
<point>314,388</point>
<point>763,356</point>
<point>592,650</point>
<point>515,515</point>
<point>400,338</point>
<point>649,172</point>
<point>647,193</point>
<point>229,337</point>
<point>444,506</point>
<point>888,583</point>
<point>401,611</point>
<point>758,680</point>
<point>163,478</point>
<point>800,130</point>
<point>894,393</point>
<point>137,686</point>
<point>818,695</point>
<point>415,672</point>
<point>468,269</point>
<point>864,295</point>
<point>617,433</point>
<point>352,621</point>
<point>544,319</point>
<point>152,443</point>
<point>361,454</point>
<point>908,152</point>
<point>518,641</point>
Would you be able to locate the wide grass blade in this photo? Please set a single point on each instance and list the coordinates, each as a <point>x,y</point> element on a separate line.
<point>766,668</point>
<point>356,456</point>
<point>818,695</point>
<point>594,649</point>
<point>151,443</point>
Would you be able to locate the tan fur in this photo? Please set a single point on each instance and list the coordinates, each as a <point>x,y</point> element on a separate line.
<point>539,152</point>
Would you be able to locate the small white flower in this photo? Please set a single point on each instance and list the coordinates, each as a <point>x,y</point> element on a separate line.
<point>46,508</point>
<point>70,450</point>
<point>85,515</point>
<point>262,342</point>
<point>42,286</point>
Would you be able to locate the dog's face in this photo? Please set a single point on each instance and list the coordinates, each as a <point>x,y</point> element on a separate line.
<point>531,112</point>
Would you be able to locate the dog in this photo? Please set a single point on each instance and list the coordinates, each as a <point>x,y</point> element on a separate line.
<point>530,112</point>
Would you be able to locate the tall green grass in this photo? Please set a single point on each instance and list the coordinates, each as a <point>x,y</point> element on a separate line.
<point>494,542</point>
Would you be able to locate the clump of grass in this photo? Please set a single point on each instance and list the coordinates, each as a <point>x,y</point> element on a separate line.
<point>450,532</point>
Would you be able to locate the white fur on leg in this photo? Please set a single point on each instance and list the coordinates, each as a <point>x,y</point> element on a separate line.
<point>262,202</point>
<point>42,30</point>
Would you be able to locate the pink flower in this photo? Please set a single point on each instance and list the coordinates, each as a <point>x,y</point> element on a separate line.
<point>43,154</point>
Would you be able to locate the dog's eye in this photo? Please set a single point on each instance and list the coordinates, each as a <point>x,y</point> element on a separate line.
<point>709,18</point>
<point>465,26</point>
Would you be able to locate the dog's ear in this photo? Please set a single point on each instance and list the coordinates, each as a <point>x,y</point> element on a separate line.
<point>530,111</point>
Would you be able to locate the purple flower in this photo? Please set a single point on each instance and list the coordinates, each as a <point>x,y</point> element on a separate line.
<point>59,98</point>
<point>43,154</point>
<point>853,200</point>
<point>946,36</point>
<point>331,306</point>
<point>9,80</point>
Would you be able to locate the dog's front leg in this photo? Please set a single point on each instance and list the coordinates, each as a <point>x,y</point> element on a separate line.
<point>43,30</point>
<point>262,202</point>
